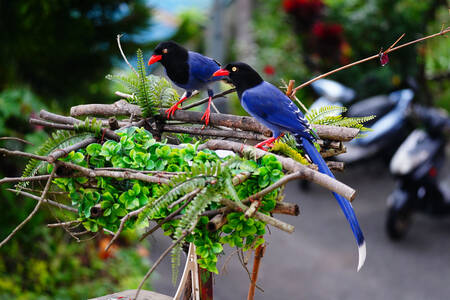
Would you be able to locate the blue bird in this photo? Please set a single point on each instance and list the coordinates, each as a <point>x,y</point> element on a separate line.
<point>188,70</point>
<point>275,110</point>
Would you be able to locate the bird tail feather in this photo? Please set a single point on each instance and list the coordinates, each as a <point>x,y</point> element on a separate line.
<point>345,205</point>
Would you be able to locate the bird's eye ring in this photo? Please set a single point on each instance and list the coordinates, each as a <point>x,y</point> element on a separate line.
<point>234,69</point>
<point>165,51</point>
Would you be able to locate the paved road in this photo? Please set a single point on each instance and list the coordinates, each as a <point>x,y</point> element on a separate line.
<point>318,261</point>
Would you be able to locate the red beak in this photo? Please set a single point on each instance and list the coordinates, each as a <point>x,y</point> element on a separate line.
<point>154,59</point>
<point>221,72</point>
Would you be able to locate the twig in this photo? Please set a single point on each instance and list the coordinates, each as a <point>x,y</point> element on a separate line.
<point>36,208</point>
<point>22,154</point>
<point>123,55</point>
<point>113,174</point>
<point>286,208</point>
<point>200,102</point>
<point>5,138</point>
<point>63,224</point>
<point>238,206</point>
<point>23,179</point>
<point>215,132</point>
<point>58,153</point>
<point>288,164</point>
<point>54,203</point>
<point>259,253</point>
<point>158,261</point>
<point>442,32</point>
<point>237,122</point>
<point>188,197</point>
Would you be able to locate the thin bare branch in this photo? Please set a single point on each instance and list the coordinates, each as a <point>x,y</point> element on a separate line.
<point>12,138</point>
<point>442,32</point>
<point>218,95</point>
<point>158,261</point>
<point>123,54</point>
<point>36,208</point>
<point>51,202</point>
<point>288,164</point>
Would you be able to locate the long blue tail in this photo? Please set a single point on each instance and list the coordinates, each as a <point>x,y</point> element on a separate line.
<point>345,205</point>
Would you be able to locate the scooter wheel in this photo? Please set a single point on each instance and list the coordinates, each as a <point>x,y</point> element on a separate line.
<point>398,223</point>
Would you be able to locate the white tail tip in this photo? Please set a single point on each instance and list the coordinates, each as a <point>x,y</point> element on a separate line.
<point>362,255</point>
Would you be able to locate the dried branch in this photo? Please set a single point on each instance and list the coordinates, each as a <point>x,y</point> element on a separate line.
<point>231,121</point>
<point>63,224</point>
<point>188,198</point>
<point>123,55</point>
<point>217,222</point>
<point>113,174</point>
<point>158,261</point>
<point>53,203</point>
<point>200,102</point>
<point>288,164</point>
<point>23,179</point>
<point>286,208</point>
<point>36,208</point>
<point>58,153</point>
<point>238,206</point>
<point>215,132</point>
<point>22,154</point>
<point>442,32</point>
<point>12,138</point>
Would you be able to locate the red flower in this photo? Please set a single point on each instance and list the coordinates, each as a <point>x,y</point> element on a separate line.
<point>269,70</point>
<point>289,6</point>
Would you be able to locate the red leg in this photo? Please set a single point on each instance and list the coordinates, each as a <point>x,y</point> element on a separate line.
<point>174,107</point>
<point>207,112</point>
<point>268,142</point>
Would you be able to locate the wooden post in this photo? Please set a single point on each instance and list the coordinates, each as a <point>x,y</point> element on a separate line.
<point>259,253</point>
<point>206,284</point>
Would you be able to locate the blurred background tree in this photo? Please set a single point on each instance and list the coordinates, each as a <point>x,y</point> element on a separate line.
<point>63,49</point>
<point>55,54</point>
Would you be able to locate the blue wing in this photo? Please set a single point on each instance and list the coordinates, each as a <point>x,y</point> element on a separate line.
<point>202,67</point>
<point>274,109</point>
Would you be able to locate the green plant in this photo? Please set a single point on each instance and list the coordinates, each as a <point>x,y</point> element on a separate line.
<point>148,91</point>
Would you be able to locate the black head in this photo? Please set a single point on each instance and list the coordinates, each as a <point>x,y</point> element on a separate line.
<point>242,75</point>
<point>169,52</point>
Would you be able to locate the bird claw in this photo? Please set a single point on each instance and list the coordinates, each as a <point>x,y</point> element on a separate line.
<point>172,110</point>
<point>206,116</point>
<point>268,143</point>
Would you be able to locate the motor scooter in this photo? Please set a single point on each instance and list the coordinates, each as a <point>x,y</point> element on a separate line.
<point>388,129</point>
<point>417,166</point>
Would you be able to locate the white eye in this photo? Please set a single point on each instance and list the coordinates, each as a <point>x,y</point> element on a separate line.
<point>165,51</point>
<point>234,69</point>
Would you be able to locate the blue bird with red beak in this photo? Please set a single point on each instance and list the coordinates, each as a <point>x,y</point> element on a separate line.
<point>188,70</point>
<point>275,110</point>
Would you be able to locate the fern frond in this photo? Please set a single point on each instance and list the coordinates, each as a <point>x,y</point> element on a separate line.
<point>173,194</point>
<point>144,98</point>
<point>162,92</point>
<point>89,125</point>
<point>315,115</point>
<point>190,217</point>
<point>59,139</point>
<point>356,122</point>
<point>285,149</point>
<point>130,83</point>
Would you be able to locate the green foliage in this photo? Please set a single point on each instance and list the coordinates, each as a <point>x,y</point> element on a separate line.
<point>292,152</point>
<point>59,139</point>
<point>149,92</point>
<point>90,125</point>
<point>45,37</point>
<point>331,115</point>
<point>202,170</point>
<point>56,270</point>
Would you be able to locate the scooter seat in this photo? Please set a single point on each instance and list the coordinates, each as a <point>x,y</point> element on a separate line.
<point>377,105</point>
